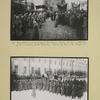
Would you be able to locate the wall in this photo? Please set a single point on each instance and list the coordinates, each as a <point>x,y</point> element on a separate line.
<point>53,63</point>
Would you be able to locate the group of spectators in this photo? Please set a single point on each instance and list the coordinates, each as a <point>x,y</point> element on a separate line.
<point>70,87</point>
<point>75,19</point>
<point>27,23</point>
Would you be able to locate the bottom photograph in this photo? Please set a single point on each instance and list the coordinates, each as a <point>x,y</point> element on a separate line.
<point>49,78</point>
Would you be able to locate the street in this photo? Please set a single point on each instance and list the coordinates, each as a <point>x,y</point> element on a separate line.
<point>49,31</point>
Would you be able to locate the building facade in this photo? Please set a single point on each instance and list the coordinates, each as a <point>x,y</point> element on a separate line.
<point>25,66</point>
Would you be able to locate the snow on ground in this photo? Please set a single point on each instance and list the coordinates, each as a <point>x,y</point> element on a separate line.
<point>41,95</point>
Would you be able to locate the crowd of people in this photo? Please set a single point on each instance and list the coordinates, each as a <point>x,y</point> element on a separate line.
<point>27,23</point>
<point>70,87</point>
<point>31,21</point>
<point>76,20</point>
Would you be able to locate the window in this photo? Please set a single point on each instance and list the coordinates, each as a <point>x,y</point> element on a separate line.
<point>50,61</point>
<point>24,59</point>
<point>59,63</point>
<point>32,70</point>
<point>67,64</point>
<point>63,63</point>
<point>16,69</point>
<point>24,70</point>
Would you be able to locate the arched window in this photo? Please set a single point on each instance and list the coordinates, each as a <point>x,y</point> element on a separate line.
<point>32,70</point>
<point>25,70</point>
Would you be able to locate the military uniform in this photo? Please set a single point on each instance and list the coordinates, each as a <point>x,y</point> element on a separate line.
<point>62,88</point>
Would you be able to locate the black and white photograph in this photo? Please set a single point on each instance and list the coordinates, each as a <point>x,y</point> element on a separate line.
<point>49,20</point>
<point>49,78</point>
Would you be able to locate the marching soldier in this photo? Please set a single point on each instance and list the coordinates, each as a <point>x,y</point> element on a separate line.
<point>50,86</point>
<point>62,88</point>
<point>34,88</point>
<point>53,87</point>
<point>20,85</point>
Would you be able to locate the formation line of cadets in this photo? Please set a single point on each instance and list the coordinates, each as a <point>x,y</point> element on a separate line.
<point>73,88</point>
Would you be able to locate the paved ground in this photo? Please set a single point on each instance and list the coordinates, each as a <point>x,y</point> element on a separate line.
<point>49,31</point>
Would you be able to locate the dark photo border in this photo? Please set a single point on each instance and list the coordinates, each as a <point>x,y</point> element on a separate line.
<point>51,57</point>
<point>87,38</point>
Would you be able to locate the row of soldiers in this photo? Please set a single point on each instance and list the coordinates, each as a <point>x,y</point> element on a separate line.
<point>74,88</point>
<point>27,24</point>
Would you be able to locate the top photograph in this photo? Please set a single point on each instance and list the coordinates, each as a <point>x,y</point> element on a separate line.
<point>37,20</point>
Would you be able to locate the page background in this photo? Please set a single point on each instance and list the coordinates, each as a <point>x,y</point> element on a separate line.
<point>91,49</point>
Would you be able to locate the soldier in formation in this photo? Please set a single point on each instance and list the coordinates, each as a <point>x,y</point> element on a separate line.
<point>28,23</point>
<point>73,88</point>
